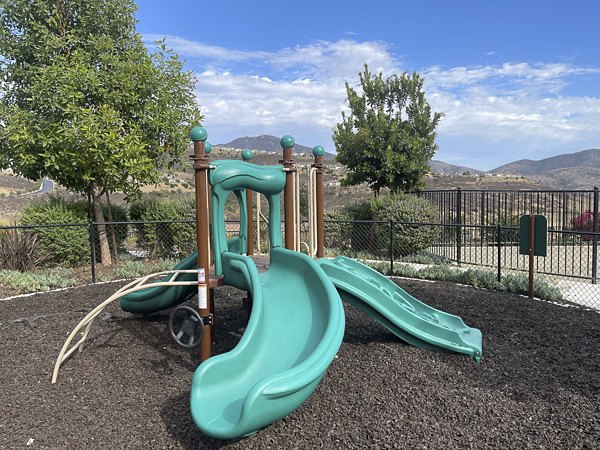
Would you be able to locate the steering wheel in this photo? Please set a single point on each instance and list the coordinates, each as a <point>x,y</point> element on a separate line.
<point>186,326</point>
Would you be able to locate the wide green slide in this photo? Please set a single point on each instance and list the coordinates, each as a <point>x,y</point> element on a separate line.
<point>154,299</point>
<point>294,332</point>
<point>411,320</point>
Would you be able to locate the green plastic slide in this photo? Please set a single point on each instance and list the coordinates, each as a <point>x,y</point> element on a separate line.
<point>154,299</point>
<point>411,320</point>
<point>294,332</point>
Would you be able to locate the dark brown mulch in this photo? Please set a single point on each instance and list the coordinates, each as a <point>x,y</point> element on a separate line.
<point>537,386</point>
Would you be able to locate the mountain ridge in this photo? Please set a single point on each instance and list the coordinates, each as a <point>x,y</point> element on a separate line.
<point>577,170</point>
<point>267,143</point>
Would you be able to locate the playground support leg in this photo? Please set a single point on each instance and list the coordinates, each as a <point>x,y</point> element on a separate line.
<point>205,302</point>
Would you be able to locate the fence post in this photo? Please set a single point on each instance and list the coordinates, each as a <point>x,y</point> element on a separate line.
<point>499,243</point>
<point>482,215</point>
<point>458,222</point>
<point>92,234</point>
<point>391,247</point>
<point>595,238</point>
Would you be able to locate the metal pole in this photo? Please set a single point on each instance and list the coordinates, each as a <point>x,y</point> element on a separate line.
<point>287,143</point>
<point>205,303</point>
<point>318,153</point>
<point>92,235</point>
<point>458,228</point>
<point>531,252</point>
<point>595,227</point>
<point>391,247</point>
<point>247,156</point>
<point>499,234</point>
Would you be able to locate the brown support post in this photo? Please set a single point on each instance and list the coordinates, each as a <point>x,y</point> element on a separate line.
<point>205,301</point>
<point>287,143</point>
<point>247,156</point>
<point>531,252</point>
<point>318,153</point>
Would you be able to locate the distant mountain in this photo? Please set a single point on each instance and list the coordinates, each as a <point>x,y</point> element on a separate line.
<point>580,170</point>
<point>451,169</point>
<point>268,143</point>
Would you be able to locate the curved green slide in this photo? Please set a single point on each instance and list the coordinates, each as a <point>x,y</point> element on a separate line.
<point>296,327</point>
<point>411,320</point>
<point>154,299</point>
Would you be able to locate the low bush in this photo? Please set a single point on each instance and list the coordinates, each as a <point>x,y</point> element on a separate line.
<point>130,268</point>
<point>509,231</point>
<point>19,250</point>
<point>585,222</point>
<point>337,229</point>
<point>60,245</point>
<point>486,279</point>
<point>17,282</point>
<point>70,245</point>
<point>165,239</point>
<point>404,210</point>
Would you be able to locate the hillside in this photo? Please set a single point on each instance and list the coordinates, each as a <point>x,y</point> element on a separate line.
<point>451,169</point>
<point>267,143</point>
<point>580,170</point>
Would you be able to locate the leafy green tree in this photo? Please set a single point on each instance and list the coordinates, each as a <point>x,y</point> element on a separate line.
<point>389,135</point>
<point>83,102</point>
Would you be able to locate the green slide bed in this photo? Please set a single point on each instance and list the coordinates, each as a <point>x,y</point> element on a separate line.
<point>294,332</point>
<point>411,320</point>
<point>156,299</point>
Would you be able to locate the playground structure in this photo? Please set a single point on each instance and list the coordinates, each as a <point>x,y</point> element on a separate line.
<point>297,321</point>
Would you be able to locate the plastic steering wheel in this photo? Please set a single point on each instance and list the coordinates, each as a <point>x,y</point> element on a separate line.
<point>189,326</point>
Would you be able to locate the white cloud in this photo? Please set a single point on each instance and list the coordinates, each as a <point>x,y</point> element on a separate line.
<point>492,113</point>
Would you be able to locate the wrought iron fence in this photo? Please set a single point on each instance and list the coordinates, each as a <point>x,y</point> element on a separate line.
<point>406,248</point>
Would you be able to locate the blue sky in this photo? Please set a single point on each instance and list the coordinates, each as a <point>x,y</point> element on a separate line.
<point>514,79</point>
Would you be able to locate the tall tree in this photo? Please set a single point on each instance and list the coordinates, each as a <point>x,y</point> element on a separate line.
<point>389,135</point>
<point>83,102</point>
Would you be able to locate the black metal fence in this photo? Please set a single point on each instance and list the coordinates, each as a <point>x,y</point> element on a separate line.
<point>571,263</point>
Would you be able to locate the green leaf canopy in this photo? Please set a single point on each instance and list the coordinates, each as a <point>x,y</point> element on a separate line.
<point>83,102</point>
<point>389,135</point>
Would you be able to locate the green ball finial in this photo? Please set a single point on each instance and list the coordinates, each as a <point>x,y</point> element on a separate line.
<point>207,147</point>
<point>247,154</point>
<point>318,150</point>
<point>198,134</point>
<point>287,141</point>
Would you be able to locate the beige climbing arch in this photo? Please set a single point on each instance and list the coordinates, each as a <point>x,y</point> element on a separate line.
<point>136,285</point>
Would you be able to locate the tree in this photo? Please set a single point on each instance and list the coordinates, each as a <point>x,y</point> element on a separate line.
<point>84,103</point>
<point>389,135</point>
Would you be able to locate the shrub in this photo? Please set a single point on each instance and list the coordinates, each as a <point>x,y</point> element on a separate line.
<point>58,210</point>
<point>60,245</point>
<point>585,222</point>
<point>337,229</point>
<point>486,279</point>
<point>119,214</point>
<point>165,239</point>
<point>129,269</point>
<point>16,282</point>
<point>509,230</point>
<point>406,211</point>
<point>19,250</point>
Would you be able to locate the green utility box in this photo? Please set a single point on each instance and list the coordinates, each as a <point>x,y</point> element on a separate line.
<point>540,234</point>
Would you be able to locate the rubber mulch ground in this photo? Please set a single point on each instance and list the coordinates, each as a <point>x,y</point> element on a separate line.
<point>538,384</point>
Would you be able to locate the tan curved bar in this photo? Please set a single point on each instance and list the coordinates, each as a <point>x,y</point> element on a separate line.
<point>136,285</point>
